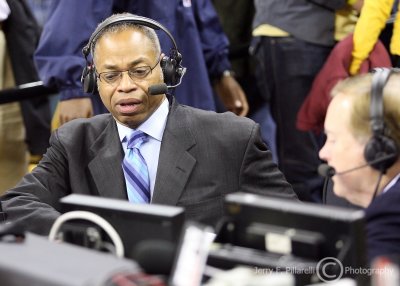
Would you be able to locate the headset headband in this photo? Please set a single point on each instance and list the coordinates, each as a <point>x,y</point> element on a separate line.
<point>379,80</point>
<point>143,21</point>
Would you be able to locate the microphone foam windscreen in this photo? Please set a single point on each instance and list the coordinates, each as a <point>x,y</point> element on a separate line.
<point>325,170</point>
<point>157,89</point>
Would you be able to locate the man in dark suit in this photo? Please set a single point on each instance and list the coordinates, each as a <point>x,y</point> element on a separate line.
<point>363,142</point>
<point>194,157</point>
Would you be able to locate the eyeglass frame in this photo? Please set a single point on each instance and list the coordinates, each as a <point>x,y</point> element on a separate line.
<point>119,78</point>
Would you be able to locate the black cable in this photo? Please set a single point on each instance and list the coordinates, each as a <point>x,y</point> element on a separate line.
<point>325,190</point>
<point>377,185</point>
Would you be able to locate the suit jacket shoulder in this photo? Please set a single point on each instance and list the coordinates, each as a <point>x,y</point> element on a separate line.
<point>83,156</point>
<point>383,224</point>
<point>86,129</point>
<point>226,125</point>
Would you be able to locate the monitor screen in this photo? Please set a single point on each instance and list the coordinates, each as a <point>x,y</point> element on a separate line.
<point>270,232</point>
<point>135,223</point>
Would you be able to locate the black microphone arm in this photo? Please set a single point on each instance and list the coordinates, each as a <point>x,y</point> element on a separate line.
<point>25,91</point>
<point>162,88</point>
<point>325,170</point>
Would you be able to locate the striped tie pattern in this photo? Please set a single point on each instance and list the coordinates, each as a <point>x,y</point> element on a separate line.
<point>135,170</point>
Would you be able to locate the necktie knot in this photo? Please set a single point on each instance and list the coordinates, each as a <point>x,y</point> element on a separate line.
<point>137,139</point>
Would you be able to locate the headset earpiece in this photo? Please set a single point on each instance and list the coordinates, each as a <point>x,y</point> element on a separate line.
<point>168,68</point>
<point>88,78</point>
<point>172,69</point>
<point>380,145</point>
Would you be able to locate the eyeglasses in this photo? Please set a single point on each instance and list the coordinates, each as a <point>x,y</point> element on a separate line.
<point>114,77</point>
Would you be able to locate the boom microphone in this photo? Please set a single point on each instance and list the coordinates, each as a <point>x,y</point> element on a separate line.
<point>157,89</point>
<point>325,170</point>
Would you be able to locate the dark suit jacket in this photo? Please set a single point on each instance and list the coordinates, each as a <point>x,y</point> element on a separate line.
<point>203,156</point>
<point>383,224</point>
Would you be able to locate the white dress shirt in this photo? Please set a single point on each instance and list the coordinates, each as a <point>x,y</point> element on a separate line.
<point>154,126</point>
<point>391,183</point>
<point>4,10</point>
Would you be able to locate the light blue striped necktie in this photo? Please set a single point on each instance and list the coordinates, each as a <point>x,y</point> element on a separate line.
<point>135,169</point>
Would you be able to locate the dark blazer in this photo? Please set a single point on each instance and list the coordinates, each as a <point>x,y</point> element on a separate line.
<point>203,156</point>
<point>383,224</point>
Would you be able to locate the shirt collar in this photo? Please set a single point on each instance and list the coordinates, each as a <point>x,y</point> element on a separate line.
<point>391,183</point>
<point>154,126</point>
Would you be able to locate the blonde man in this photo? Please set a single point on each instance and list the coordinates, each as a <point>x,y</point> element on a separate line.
<point>364,153</point>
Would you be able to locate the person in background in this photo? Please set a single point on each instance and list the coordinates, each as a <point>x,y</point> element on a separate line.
<point>238,30</point>
<point>22,35</point>
<point>13,159</point>
<point>41,9</point>
<point>24,125</point>
<point>150,149</point>
<point>292,39</point>
<point>363,132</point>
<point>346,19</point>
<point>194,25</point>
<point>372,21</point>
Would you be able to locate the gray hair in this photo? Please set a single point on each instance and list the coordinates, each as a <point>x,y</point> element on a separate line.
<point>125,25</point>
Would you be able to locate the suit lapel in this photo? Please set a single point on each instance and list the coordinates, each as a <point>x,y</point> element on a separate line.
<point>175,163</point>
<point>105,167</point>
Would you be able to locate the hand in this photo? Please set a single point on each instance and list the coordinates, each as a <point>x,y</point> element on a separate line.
<point>75,108</point>
<point>232,95</point>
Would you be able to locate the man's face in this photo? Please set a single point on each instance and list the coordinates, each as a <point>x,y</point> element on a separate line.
<point>128,99</point>
<point>343,152</point>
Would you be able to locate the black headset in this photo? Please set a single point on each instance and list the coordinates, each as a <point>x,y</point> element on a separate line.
<point>170,65</point>
<point>380,145</point>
